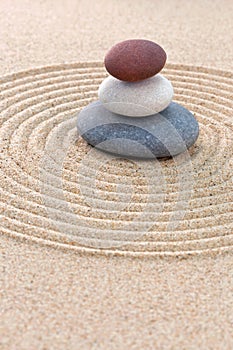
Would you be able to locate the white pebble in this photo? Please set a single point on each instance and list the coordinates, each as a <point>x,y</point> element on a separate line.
<point>137,99</point>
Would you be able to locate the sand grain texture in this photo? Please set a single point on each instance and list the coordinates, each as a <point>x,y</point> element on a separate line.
<point>171,288</point>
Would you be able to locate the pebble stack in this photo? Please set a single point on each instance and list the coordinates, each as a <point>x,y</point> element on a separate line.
<point>135,115</point>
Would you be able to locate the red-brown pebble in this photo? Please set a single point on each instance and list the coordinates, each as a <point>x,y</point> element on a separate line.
<point>135,60</point>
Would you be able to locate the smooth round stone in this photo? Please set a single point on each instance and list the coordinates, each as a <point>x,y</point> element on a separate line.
<point>168,133</point>
<point>139,99</point>
<point>134,60</point>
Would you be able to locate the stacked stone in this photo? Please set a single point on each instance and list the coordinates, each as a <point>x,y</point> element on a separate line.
<point>135,115</point>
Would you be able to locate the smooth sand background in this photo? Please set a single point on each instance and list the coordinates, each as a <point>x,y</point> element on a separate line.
<point>51,299</point>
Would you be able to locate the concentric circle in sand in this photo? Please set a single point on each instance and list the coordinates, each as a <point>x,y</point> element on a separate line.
<point>58,190</point>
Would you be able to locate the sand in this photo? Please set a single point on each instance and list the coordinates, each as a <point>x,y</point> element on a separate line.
<point>149,286</point>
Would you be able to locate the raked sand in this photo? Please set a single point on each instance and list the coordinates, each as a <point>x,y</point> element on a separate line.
<point>104,253</point>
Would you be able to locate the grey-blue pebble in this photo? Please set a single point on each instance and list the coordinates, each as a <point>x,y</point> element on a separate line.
<point>165,134</point>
